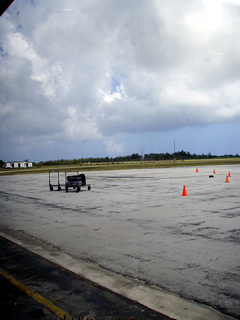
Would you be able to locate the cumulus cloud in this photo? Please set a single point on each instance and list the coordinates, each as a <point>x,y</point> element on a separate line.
<point>87,71</point>
<point>113,147</point>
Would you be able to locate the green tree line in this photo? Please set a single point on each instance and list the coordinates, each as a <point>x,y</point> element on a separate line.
<point>180,155</point>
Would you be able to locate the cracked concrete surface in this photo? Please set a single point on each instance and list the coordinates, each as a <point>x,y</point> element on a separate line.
<point>136,223</point>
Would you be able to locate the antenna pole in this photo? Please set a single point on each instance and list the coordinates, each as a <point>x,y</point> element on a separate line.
<point>174,158</point>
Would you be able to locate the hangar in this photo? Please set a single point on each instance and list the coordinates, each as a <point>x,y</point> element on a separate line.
<point>18,164</point>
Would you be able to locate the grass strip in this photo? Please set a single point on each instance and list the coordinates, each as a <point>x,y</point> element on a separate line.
<point>123,166</point>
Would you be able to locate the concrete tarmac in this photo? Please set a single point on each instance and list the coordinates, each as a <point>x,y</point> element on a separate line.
<point>135,224</point>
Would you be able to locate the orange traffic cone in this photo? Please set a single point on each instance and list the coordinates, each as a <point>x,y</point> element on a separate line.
<point>229,174</point>
<point>227,180</point>
<point>214,171</point>
<point>184,194</point>
<point>196,170</point>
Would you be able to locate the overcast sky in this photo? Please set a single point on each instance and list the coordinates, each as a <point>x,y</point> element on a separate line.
<point>83,78</point>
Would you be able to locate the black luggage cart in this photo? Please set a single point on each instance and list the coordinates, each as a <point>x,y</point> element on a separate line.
<point>58,185</point>
<point>76,182</point>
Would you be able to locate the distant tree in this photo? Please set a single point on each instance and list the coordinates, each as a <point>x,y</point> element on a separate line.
<point>135,156</point>
<point>2,163</point>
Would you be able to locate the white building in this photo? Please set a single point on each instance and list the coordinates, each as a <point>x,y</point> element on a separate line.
<point>18,164</point>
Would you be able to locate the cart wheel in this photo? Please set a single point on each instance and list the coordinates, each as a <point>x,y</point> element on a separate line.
<point>78,189</point>
<point>51,188</point>
<point>66,189</point>
<point>89,188</point>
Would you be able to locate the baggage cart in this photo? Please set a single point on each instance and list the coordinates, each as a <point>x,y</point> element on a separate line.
<point>51,185</point>
<point>76,181</point>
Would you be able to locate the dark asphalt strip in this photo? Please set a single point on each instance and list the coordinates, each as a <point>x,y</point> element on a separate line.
<point>16,304</point>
